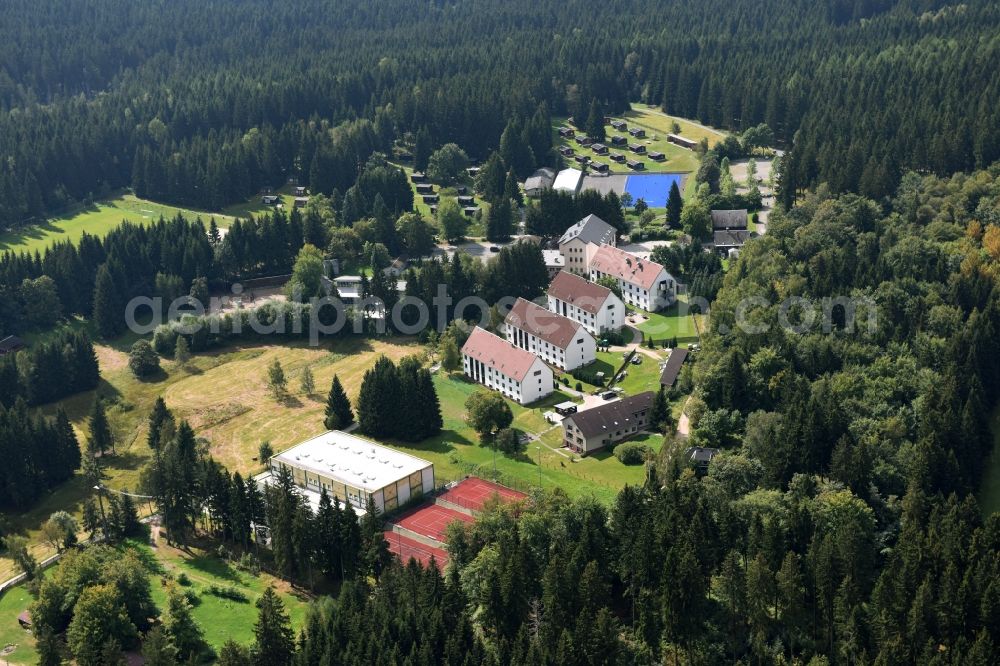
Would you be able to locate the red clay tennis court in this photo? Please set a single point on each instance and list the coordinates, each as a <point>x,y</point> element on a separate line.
<point>431,520</point>
<point>472,493</point>
<point>405,548</point>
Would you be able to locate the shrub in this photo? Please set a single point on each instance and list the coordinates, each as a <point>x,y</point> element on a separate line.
<point>230,592</point>
<point>508,441</point>
<point>182,579</point>
<point>632,453</point>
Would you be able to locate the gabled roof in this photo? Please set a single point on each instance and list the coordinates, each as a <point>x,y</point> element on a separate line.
<point>584,294</point>
<point>541,179</point>
<point>729,219</point>
<point>673,366</point>
<point>499,354</point>
<point>10,344</point>
<point>553,328</point>
<point>611,416</point>
<point>626,266</point>
<point>733,238</point>
<point>590,229</point>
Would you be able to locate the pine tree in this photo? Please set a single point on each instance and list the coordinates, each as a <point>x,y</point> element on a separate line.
<point>180,627</point>
<point>306,382</point>
<point>158,650</point>
<point>274,642</point>
<point>182,352</point>
<point>338,408</point>
<point>675,204</point>
<point>160,423</point>
<point>660,416</point>
<point>48,646</point>
<point>451,356</point>
<point>594,127</point>
<point>101,439</point>
<point>107,310</point>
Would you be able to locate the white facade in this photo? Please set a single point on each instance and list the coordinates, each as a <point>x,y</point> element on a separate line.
<point>577,255</point>
<point>580,351</point>
<point>662,295</point>
<point>535,385</point>
<point>610,315</point>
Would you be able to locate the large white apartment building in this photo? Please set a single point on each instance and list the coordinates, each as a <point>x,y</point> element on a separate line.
<point>557,340</point>
<point>596,308</point>
<point>644,283</point>
<point>582,240</point>
<point>497,364</point>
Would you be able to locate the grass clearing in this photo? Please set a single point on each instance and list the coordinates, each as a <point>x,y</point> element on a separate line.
<point>12,603</point>
<point>669,323</point>
<point>220,619</point>
<point>98,219</point>
<point>651,117</point>
<point>222,394</point>
<point>457,449</point>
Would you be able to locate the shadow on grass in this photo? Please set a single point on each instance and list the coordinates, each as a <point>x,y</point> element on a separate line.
<point>213,566</point>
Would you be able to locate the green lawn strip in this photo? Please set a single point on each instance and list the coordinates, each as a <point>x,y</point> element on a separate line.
<point>98,219</point>
<point>678,160</point>
<point>669,323</point>
<point>12,603</point>
<point>457,451</point>
<point>651,117</point>
<point>254,206</point>
<point>220,619</point>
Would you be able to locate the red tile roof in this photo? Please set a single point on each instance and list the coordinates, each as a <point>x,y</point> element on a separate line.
<point>555,329</point>
<point>628,267</point>
<point>497,353</point>
<point>575,290</point>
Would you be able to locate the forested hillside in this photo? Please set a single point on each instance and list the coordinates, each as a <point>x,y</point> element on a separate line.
<point>204,103</point>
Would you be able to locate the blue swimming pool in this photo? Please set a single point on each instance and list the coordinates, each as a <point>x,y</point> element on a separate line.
<point>653,187</point>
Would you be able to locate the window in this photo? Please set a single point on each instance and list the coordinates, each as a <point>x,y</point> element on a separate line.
<point>537,373</point>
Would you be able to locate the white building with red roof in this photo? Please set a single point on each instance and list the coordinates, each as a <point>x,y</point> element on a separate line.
<point>497,364</point>
<point>594,307</point>
<point>644,283</point>
<point>557,340</point>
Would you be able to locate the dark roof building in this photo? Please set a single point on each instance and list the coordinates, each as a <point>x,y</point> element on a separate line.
<point>430,198</point>
<point>11,344</point>
<point>637,148</point>
<point>417,177</point>
<point>672,369</point>
<point>657,157</point>
<point>681,141</point>
<point>618,140</point>
<point>729,219</point>
<point>601,426</point>
<point>635,165</point>
<point>700,457</point>
<point>599,167</point>
<point>638,132</point>
<point>617,157</point>
<point>599,148</point>
<point>730,239</point>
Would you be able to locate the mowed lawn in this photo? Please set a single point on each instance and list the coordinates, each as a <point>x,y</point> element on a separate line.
<point>457,450</point>
<point>220,619</point>
<point>224,397</point>
<point>12,603</point>
<point>97,219</point>
<point>651,117</point>
<point>668,324</point>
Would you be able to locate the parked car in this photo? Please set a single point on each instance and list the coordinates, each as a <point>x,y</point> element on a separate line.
<point>494,248</point>
<point>637,360</point>
<point>609,395</point>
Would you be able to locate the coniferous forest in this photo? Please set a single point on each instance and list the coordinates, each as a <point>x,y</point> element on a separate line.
<point>838,523</point>
<point>202,104</point>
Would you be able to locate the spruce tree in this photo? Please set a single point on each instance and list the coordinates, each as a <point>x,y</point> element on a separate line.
<point>158,650</point>
<point>101,438</point>
<point>182,352</point>
<point>675,204</point>
<point>338,413</point>
<point>274,642</point>
<point>451,356</point>
<point>107,311</point>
